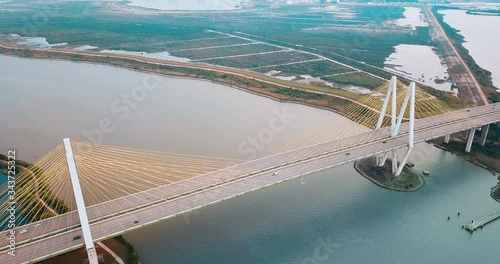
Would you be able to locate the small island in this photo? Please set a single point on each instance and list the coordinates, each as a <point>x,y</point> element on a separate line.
<point>495,191</point>
<point>408,181</point>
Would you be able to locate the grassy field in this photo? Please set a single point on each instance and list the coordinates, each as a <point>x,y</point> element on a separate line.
<point>315,68</point>
<point>356,79</point>
<point>260,60</point>
<point>204,42</point>
<point>223,51</point>
<point>357,35</point>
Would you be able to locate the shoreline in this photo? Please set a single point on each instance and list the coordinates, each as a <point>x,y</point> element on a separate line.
<point>326,98</point>
<point>481,77</point>
<point>279,100</point>
<point>465,157</point>
<point>475,161</point>
<point>255,83</point>
<point>361,166</point>
<point>495,192</point>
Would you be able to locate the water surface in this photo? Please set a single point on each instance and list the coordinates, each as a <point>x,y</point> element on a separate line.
<point>413,18</point>
<point>420,63</point>
<point>482,34</point>
<point>45,101</point>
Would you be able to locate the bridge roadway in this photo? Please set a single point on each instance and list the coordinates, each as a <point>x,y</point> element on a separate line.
<point>55,235</point>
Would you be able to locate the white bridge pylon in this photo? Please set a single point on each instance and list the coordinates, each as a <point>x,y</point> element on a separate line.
<point>396,123</point>
<point>80,203</point>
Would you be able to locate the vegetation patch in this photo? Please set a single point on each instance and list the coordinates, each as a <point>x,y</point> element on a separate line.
<point>356,79</point>
<point>225,51</point>
<point>382,176</point>
<point>445,97</point>
<point>484,12</point>
<point>313,68</point>
<point>205,43</point>
<point>495,192</point>
<point>133,257</point>
<point>260,60</point>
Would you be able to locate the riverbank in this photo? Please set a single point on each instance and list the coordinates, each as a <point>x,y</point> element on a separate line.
<point>487,157</point>
<point>489,163</point>
<point>408,181</point>
<point>280,90</point>
<point>483,76</point>
<point>495,191</point>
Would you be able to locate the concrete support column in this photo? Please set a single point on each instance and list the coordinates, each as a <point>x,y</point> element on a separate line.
<point>472,132</point>
<point>394,85</point>
<point>384,106</point>
<point>382,159</point>
<point>447,139</point>
<point>484,134</point>
<point>411,130</point>
<point>394,162</point>
<point>403,163</point>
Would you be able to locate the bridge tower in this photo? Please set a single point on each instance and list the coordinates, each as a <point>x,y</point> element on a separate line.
<point>80,203</point>
<point>396,123</point>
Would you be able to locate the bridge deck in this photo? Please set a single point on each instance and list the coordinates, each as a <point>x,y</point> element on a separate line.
<point>55,235</point>
<point>482,222</point>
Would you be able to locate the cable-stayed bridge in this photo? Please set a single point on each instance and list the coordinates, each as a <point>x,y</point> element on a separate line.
<point>125,189</point>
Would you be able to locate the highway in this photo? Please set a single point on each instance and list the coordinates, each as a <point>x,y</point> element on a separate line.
<point>55,235</point>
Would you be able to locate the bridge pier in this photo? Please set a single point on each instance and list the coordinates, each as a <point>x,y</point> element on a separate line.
<point>484,134</point>
<point>470,139</point>
<point>390,96</point>
<point>447,139</point>
<point>394,163</point>
<point>382,159</point>
<point>396,123</point>
<point>411,127</point>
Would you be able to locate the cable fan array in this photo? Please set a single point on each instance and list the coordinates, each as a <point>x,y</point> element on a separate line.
<point>106,173</point>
